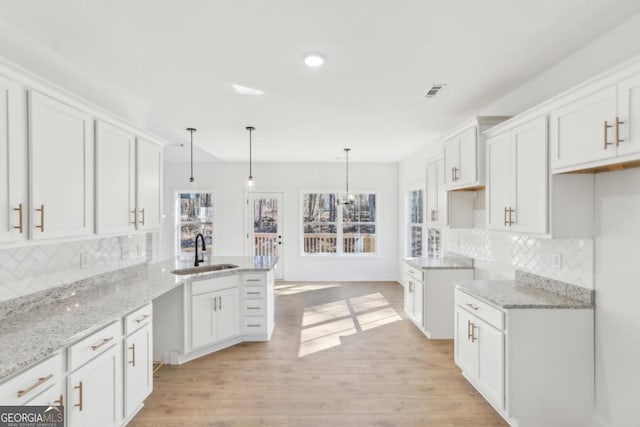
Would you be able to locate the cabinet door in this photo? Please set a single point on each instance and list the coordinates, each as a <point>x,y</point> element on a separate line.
<point>577,130</point>
<point>629,113</point>
<point>148,184</point>
<point>228,308</point>
<point>500,180</point>
<point>490,368</point>
<point>408,295</point>
<point>204,328</point>
<point>468,170</point>
<point>418,302</point>
<point>464,348</point>
<point>61,169</point>
<point>451,160</point>
<point>115,179</point>
<point>13,162</point>
<point>432,193</point>
<point>138,368</point>
<point>441,202</point>
<point>94,392</point>
<point>531,177</point>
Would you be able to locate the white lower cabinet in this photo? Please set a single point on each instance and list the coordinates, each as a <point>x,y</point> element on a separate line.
<point>138,365</point>
<point>94,391</point>
<point>413,297</point>
<point>214,316</point>
<point>533,365</point>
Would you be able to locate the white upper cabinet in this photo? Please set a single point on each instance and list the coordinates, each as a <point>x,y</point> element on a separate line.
<point>13,162</point>
<point>521,194</point>
<point>629,116</point>
<point>61,169</point>
<point>148,185</point>
<point>580,131</point>
<point>436,193</point>
<point>464,154</point>
<point>517,178</point>
<point>115,179</point>
<point>597,127</point>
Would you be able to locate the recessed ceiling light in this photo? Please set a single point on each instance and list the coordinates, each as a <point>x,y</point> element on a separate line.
<point>243,90</point>
<point>314,59</point>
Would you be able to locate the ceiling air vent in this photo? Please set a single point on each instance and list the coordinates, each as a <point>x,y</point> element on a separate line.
<point>434,90</point>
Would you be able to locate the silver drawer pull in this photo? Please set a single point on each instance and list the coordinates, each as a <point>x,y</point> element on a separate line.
<point>253,308</point>
<point>253,280</point>
<point>474,307</point>
<point>41,381</point>
<point>253,293</point>
<point>253,325</point>
<point>142,318</point>
<point>104,341</point>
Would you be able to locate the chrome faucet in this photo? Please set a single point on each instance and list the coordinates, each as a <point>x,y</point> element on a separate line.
<point>204,248</point>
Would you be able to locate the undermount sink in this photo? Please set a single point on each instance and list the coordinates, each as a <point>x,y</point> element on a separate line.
<point>203,268</point>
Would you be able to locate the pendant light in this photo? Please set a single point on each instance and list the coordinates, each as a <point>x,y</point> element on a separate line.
<point>191,131</point>
<point>349,197</point>
<point>250,182</point>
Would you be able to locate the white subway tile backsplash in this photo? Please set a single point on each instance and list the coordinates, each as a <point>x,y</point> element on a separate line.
<point>501,253</point>
<point>29,269</point>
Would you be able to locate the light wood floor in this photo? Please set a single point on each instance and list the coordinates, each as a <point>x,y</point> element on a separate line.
<point>341,354</point>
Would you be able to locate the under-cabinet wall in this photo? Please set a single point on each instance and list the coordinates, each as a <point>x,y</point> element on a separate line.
<point>30,269</point>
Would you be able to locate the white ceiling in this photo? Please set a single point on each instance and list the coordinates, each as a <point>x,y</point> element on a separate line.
<point>182,56</point>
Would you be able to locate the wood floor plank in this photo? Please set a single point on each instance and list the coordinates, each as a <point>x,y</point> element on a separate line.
<point>342,354</point>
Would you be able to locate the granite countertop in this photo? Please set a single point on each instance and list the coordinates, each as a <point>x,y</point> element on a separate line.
<point>447,261</point>
<point>32,335</point>
<point>509,294</point>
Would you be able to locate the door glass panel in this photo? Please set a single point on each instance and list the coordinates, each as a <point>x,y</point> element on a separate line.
<point>265,227</point>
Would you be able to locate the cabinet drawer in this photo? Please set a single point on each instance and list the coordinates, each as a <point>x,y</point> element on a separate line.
<point>254,279</point>
<point>484,311</point>
<point>253,292</point>
<point>212,285</point>
<point>93,345</point>
<point>254,325</point>
<point>414,273</point>
<point>253,307</point>
<point>138,319</point>
<point>27,385</point>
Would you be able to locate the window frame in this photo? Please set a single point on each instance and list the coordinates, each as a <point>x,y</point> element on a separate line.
<point>339,227</point>
<point>410,225</point>
<point>177,223</point>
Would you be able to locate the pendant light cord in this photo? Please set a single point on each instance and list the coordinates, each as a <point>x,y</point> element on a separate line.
<point>191,130</point>
<point>250,129</point>
<point>347,151</point>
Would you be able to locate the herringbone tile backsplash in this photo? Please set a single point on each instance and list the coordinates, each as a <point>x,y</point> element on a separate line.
<point>501,253</point>
<point>29,269</point>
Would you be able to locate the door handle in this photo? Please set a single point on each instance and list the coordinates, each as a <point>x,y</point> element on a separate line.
<point>606,128</point>
<point>20,222</point>
<point>618,123</point>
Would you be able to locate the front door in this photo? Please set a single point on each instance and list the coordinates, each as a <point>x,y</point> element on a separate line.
<point>265,227</point>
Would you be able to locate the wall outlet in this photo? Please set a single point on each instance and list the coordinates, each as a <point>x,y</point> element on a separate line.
<point>557,259</point>
<point>84,260</point>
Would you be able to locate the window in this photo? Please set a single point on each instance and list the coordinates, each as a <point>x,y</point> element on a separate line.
<point>194,214</point>
<point>415,221</point>
<point>331,228</point>
<point>359,225</point>
<point>320,215</point>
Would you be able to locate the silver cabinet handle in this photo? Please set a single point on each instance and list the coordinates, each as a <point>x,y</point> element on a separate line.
<point>474,307</point>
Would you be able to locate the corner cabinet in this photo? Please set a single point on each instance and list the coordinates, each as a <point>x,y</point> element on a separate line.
<point>533,365</point>
<point>463,152</point>
<point>148,215</point>
<point>60,167</point>
<point>597,128</point>
<point>13,162</point>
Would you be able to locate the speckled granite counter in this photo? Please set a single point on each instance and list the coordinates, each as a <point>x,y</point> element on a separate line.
<point>37,332</point>
<point>446,261</point>
<point>509,294</point>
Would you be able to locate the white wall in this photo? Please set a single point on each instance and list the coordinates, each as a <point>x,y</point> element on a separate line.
<point>617,216</point>
<point>227,180</point>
